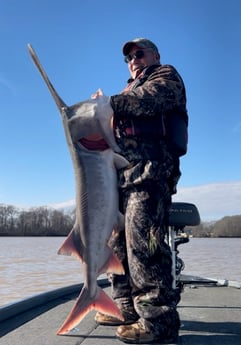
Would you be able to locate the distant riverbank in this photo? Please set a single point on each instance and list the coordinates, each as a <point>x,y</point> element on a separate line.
<point>30,265</point>
<point>43,221</point>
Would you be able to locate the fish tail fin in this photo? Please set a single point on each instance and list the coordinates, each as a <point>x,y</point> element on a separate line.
<point>84,304</point>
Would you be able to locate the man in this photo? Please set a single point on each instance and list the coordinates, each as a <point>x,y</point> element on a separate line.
<point>143,121</point>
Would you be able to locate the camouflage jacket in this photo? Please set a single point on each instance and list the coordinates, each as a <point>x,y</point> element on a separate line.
<point>145,106</point>
<point>141,113</point>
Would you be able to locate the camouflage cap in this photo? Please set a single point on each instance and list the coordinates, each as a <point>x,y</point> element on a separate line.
<point>140,43</point>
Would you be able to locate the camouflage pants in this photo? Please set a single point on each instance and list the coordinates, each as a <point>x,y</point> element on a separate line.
<point>146,287</point>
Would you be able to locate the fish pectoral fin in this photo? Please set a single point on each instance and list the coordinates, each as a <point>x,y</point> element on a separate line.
<point>69,247</point>
<point>100,302</point>
<point>120,161</point>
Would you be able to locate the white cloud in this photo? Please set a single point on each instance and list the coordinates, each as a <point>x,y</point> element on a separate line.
<point>65,205</point>
<point>213,201</point>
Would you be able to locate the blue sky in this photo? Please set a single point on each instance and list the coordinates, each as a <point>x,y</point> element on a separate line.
<point>79,44</point>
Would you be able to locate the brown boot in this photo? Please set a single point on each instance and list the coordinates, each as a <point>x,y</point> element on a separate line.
<point>107,320</point>
<point>136,334</point>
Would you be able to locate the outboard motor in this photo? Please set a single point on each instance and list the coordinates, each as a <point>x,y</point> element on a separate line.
<point>181,214</point>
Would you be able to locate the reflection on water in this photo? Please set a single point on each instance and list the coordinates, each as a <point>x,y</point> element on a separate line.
<point>30,265</point>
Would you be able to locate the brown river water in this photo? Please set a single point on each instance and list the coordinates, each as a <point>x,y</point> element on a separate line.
<point>30,265</point>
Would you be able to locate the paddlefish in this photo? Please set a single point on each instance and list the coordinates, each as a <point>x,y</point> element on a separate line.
<point>96,196</point>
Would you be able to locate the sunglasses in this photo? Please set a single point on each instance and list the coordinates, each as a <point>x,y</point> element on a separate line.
<point>139,54</point>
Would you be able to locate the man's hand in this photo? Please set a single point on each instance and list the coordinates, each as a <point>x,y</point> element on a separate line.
<point>99,94</point>
<point>104,115</point>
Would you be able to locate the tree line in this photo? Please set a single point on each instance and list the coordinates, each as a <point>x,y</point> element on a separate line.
<point>229,226</point>
<point>36,221</point>
<point>44,221</point>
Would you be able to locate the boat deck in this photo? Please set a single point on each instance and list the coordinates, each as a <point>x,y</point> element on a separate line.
<point>210,315</point>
